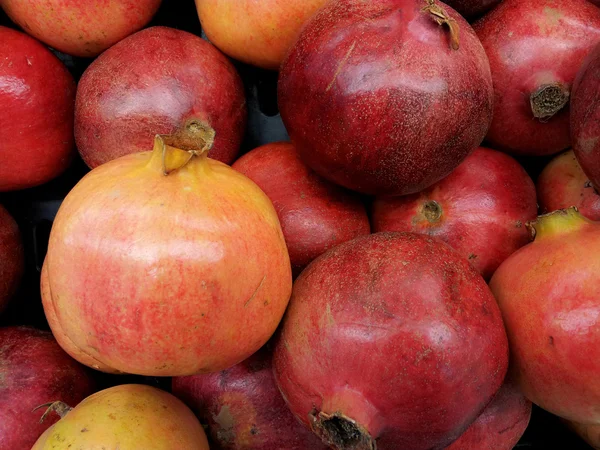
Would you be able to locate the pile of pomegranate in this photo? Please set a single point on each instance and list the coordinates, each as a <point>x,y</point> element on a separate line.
<point>399,253</point>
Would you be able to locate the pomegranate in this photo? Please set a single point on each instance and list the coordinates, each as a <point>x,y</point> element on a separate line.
<point>589,433</point>
<point>155,82</point>
<point>500,425</point>
<point>165,263</point>
<point>548,293</point>
<point>380,118</point>
<point>12,258</point>
<point>391,341</point>
<point>472,8</point>
<point>480,209</point>
<point>34,370</point>
<point>80,27</point>
<point>37,94</point>
<point>585,116</point>
<point>563,184</point>
<point>244,409</point>
<point>535,50</point>
<point>315,215</point>
<point>257,33</point>
<point>125,417</point>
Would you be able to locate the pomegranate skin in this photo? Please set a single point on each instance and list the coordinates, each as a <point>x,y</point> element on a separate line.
<point>480,209</point>
<point>80,27</point>
<point>535,50</point>
<point>37,94</point>
<point>396,332</point>
<point>472,8</point>
<point>563,184</point>
<point>379,118</point>
<point>155,82</point>
<point>315,215</point>
<point>548,293</point>
<point>12,257</point>
<point>35,371</point>
<point>244,409</point>
<point>585,117</point>
<point>501,424</point>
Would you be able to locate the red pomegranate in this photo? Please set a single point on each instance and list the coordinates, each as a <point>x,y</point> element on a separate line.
<point>155,82</point>
<point>391,341</point>
<point>585,117</point>
<point>244,409</point>
<point>315,215</point>
<point>80,27</point>
<point>165,263</point>
<point>501,424</point>
<point>472,8</point>
<point>548,293</point>
<point>37,94</point>
<point>386,97</point>
<point>535,50</point>
<point>480,209</point>
<point>34,370</point>
<point>12,258</point>
<point>563,184</point>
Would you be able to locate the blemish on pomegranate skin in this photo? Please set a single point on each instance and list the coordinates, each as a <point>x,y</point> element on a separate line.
<point>551,340</point>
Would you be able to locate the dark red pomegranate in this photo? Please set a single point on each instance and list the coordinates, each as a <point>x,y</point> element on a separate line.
<point>386,97</point>
<point>315,215</point>
<point>158,81</point>
<point>12,258</point>
<point>472,8</point>
<point>535,50</point>
<point>391,341</point>
<point>480,209</point>
<point>244,409</point>
<point>34,370</point>
<point>548,293</point>
<point>37,97</point>
<point>563,184</point>
<point>501,424</point>
<point>585,117</point>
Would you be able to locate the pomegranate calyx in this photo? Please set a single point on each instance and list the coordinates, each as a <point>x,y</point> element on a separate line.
<point>60,408</point>
<point>548,99</point>
<point>557,222</point>
<point>176,150</point>
<point>340,432</point>
<point>441,17</point>
<point>432,211</point>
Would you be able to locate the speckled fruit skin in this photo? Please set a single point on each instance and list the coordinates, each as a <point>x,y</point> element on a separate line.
<point>472,8</point>
<point>315,215</point>
<point>258,33</point>
<point>585,116</point>
<point>376,100</point>
<point>244,409</point>
<point>165,275</point>
<point>37,94</point>
<point>563,184</point>
<point>548,292</point>
<point>397,332</point>
<point>154,82</point>
<point>501,424</point>
<point>12,257</point>
<point>80,27</point>
<point>530,45</point>
<point>589,433</point>
<point>34,370</point>
<point>480,209</point>
<point>127,417</point>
